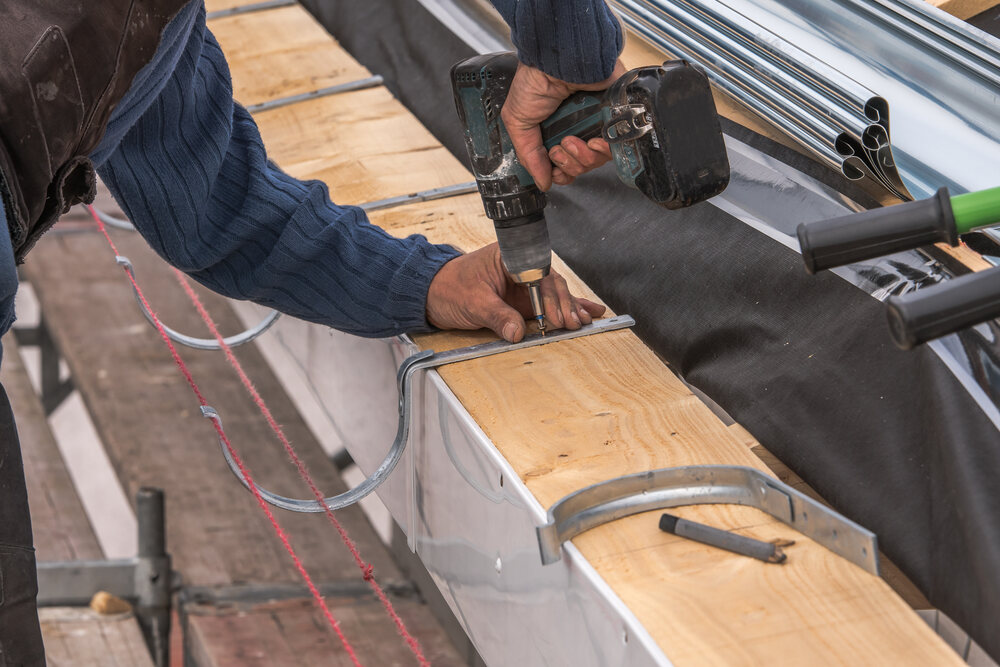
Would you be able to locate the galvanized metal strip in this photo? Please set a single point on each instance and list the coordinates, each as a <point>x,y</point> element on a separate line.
<point>420,361</point>
<point>359,84</point>
<point>698,485</point>
<point>423,195</point>
<point>252,7</point>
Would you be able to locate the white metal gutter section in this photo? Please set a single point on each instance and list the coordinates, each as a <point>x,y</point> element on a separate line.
<point>464,510</point>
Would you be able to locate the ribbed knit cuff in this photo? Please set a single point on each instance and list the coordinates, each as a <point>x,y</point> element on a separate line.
<point>413,279</point>
<point>573,40</point>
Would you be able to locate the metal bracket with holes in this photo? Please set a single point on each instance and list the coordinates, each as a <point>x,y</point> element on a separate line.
<point>427,359</point>
<point>359,84</point>
<point>421,196</point>
<point>200,343</point>
<point>699,485</point>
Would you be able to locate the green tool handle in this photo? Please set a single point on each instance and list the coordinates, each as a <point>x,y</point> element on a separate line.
<point>976,209</point>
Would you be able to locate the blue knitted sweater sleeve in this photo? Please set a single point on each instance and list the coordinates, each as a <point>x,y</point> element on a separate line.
<point>192,174</point>
<point>573,40</point>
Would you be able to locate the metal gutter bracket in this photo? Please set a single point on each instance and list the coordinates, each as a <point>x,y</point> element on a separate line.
<point>199,343</point>
<point>425,360</point>
<point>701,485</point>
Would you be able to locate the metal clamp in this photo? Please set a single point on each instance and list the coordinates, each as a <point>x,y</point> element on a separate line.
<point>700,485</point>
<point>404,380</point>
<point>200,343</point>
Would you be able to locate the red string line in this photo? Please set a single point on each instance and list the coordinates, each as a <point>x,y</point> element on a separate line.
<point>367,570</point>
<point>232,452</point>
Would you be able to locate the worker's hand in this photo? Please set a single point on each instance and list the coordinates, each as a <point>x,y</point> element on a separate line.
<point>474,291</point>
<point>533,97</point>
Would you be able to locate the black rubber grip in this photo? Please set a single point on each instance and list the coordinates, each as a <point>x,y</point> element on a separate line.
<point>954,305</point>
<point>882,231</point>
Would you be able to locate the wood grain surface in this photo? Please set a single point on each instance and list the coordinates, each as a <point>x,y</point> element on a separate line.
<point>963,9</point>
<point>76,637</point>
<point>59,524</point>
<point>364,144</point>
<point>299,56</point>
<point>283,632</point>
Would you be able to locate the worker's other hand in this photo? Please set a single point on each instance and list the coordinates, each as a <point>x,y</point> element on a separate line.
<point>474,291</point>
<point>533,97</point>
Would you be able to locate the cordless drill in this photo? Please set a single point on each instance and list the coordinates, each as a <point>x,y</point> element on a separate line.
<point>660,122</point>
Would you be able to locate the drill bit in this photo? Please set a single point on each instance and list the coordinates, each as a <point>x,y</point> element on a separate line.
<point>535,294</point>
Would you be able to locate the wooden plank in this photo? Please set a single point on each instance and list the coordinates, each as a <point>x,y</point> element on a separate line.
<point>59,524</point>
<point>596,408</point>
<point>80,637</point>
<point>219,5</point>
<point>365,145</point>
<point>963,9</point>
<point>297,56</point>
<point>283,633</point>
<point>154,433</point>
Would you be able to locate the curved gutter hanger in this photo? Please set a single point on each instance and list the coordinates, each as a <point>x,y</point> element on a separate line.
<point>424,360</point>
<point>606,501</point>
<point>190,341</point>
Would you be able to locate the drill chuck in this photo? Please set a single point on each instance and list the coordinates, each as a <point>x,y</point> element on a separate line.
<point>525,247</point>
<point>505,199</point>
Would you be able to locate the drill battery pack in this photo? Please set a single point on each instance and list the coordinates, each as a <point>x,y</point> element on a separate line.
<point>664,133</point>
